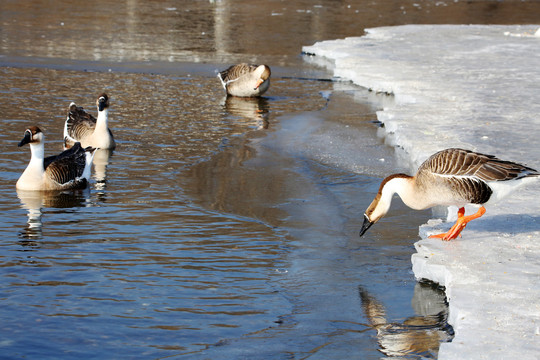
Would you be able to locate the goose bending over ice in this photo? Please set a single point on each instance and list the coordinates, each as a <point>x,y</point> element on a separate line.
<point>451,177</point>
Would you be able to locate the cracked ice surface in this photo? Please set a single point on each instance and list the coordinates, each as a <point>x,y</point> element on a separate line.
<point>475,87</point>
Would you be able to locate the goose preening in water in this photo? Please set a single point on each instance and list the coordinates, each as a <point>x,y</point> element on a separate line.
<point>245,80</point>
<point>82,127</point>
<point>67,170</point>
<point>451,177</point>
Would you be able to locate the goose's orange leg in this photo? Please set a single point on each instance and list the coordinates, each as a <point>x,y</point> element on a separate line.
<point>460,224</point>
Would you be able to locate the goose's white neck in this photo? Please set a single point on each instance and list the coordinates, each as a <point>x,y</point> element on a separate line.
<point>398,185</point>
<point>101,137</point>
<point>32,176</point>
<point>259,71</point>
<point>403,186</point>
<point>38,152</point>
<point>102,122</point>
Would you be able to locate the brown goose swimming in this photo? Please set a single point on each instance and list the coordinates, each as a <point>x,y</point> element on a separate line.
<point>82,127</point>
<point>451,177</point>
<point>245,80</point>
<point>67,170</point>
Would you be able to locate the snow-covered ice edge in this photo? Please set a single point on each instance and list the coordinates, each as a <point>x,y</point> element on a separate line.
<point>474,87</point>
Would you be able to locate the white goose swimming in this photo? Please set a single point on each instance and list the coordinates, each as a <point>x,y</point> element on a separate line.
<point>451,177</point>
<point>82,127</point>
<point>245,80</point>
<point>67,170</point>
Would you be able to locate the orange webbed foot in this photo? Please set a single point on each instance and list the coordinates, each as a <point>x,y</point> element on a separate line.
<point>454,231</point>
<point>460,224</point>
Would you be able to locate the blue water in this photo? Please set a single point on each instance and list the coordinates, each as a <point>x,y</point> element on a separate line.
<point>219,228</point>
<point>216,228</point>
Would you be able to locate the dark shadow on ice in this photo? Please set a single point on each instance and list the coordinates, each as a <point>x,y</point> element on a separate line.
<point>417,336</point>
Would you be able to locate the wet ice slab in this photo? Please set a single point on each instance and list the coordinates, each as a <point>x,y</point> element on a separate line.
<point>474,87</point>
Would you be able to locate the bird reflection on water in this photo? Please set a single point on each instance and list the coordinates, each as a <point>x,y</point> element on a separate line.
<point>101,161</point>
<point>252,110</point>
<point>417,336</point>
<point>35,201</point>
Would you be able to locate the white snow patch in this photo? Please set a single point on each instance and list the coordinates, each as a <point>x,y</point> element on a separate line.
<point>474,87</point>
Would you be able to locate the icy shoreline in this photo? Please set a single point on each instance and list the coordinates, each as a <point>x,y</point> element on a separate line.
<point>474,87</point>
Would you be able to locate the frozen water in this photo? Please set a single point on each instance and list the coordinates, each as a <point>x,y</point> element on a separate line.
<point>474,87</point>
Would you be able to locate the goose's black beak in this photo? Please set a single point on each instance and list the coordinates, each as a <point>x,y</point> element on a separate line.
<point>101,104</point>
<point>366,225</point>
<point>26,139</point>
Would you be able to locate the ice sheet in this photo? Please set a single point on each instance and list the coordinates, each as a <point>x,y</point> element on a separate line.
<point>475,87</point>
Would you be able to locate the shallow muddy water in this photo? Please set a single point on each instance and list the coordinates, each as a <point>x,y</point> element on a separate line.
<point>219,228</point>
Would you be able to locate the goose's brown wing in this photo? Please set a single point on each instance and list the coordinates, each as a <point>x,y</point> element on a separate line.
<point>235,71</point>
<point>79,123</point>
<point>66,166</point>
<point>466,163</point>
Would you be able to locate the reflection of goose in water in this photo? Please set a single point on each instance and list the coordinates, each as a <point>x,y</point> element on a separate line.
<point>418,335</point>
<point>255,110</point>
<point>35,201</point>
<point>67,170</point>
<point>101,160</point>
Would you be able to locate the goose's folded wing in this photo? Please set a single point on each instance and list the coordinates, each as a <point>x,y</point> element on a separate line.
<point>67,166</point>
<point>465,163</point>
